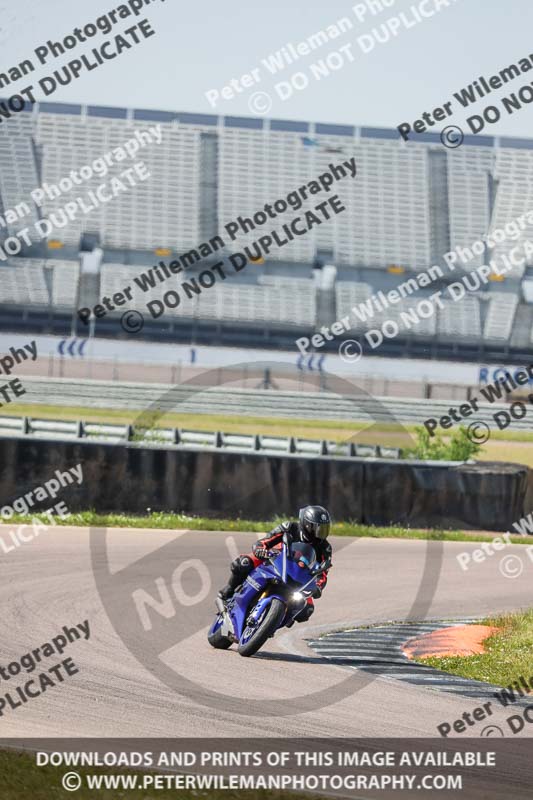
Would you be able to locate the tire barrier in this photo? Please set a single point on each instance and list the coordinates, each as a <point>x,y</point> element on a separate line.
<point>134,478</point>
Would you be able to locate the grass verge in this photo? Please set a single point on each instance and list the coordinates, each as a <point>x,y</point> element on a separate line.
<point>22,779</point>
<point>507,655</point>
<point>159,520</point>
<point>502,446</point>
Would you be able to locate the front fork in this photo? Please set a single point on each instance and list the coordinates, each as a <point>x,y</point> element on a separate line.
<point>291,609</point>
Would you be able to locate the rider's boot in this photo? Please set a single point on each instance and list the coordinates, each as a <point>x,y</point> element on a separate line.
<point>227,591</point>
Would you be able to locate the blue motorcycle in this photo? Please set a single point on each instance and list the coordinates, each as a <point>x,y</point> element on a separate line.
<point>270,598</point>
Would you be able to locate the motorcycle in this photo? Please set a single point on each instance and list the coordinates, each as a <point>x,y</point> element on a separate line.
<point>270,598</point>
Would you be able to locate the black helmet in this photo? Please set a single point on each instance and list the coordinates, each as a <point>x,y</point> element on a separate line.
<point>314,522</point>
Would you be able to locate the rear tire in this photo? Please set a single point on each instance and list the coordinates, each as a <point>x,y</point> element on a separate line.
<point>217,640</point>
<point>265,629</point>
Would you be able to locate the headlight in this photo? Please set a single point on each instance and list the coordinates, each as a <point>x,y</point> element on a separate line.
<point>297,597</point>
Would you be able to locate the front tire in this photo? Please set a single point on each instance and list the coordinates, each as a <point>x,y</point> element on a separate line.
<point>266,628</point>
<point>216,638</point>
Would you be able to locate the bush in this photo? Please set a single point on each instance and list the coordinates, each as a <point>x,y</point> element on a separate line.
<point>435,448</point>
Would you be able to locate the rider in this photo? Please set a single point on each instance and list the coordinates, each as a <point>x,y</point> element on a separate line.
<point>313,526</point>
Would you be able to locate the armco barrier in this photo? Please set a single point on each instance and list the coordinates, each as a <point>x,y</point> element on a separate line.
<point>117,434</point>
<point>134,478</point>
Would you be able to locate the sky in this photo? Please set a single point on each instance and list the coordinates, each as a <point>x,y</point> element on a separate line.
<point>202,45</point>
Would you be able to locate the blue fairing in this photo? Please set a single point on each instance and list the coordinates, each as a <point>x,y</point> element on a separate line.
<point>216,624</point>
<point>254,585</point>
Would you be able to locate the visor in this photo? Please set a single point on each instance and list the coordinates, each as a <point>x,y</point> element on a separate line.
<point>317,529</point>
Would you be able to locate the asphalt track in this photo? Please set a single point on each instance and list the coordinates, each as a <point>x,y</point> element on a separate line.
<point>48,583</point>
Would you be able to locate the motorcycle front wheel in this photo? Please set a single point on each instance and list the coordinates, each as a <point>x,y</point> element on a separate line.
<point>254,637</point>
<point>215,636</point>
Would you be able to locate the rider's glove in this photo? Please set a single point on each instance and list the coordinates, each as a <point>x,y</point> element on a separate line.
<point>260,552</point>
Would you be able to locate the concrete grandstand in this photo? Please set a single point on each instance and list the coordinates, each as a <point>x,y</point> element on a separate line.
<point>411,204</point>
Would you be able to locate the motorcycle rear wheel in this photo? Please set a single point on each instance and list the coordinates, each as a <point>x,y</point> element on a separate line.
<point>266,628</point>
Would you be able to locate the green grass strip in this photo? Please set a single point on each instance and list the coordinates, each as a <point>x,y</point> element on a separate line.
<point>507,655</point>
<point>159,520</point>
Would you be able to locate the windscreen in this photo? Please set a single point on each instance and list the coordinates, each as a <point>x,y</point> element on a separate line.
<point>303,553</point>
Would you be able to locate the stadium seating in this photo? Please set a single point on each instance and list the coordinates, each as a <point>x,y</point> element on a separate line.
<point>407,206</point>
<point>347,296</point>
<point>114,277</point>
<point>66,275</point>
<point>19,177</point>
<point>246,303</point>
<point>404,313</point>
<point>272,303</point>
<point>23,281</point>
<point>468,198</point>
<point>24,284</point>
<point>500,316</point>
<point>162,211</point>
<point>461,319</point>
<point>282,281</point>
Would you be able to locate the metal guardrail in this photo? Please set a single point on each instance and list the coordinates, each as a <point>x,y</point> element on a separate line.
<point>176,437</point>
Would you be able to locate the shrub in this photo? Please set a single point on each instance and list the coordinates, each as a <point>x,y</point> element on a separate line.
<point>435,448</point>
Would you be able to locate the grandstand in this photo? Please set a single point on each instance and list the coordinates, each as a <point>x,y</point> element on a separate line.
<point>19,174</point>
<point>49,283</point>
<point>500,316</point>
<point>410,204</point>
<point>274,300</point>
<point>461,319</point>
